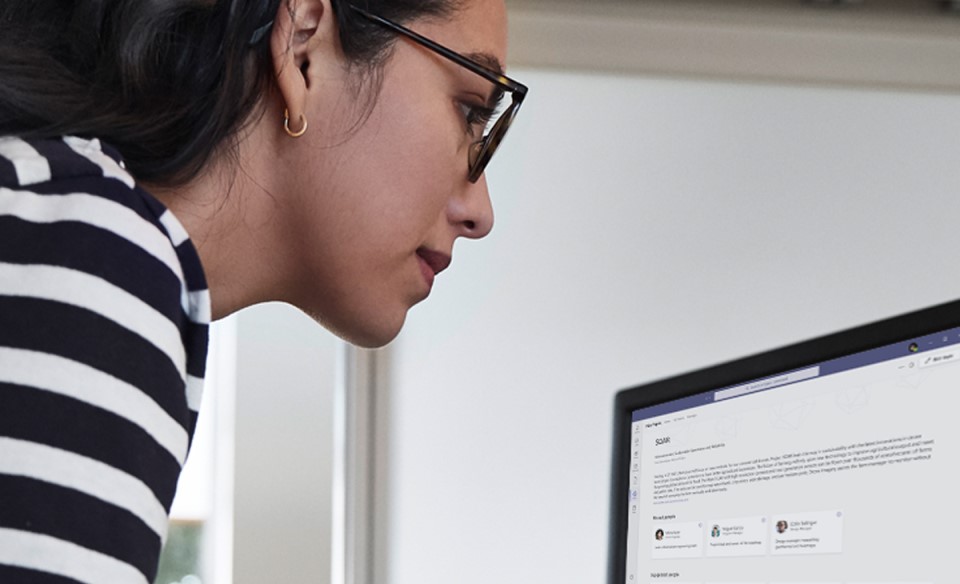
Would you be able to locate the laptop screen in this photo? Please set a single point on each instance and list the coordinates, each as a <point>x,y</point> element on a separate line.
<point>826,462</point>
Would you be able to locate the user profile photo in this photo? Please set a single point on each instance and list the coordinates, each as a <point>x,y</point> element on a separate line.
<point>658,534</point>
<point>914,347</point>
<point>715,532</point>
<point>781,526</point>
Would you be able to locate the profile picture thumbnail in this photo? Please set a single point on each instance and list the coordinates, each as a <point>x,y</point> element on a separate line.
<point>781,526</point>
<point>715,532</point>
<point>658,534</point>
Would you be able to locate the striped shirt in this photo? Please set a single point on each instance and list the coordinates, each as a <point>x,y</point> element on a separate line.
<point>104,312</point>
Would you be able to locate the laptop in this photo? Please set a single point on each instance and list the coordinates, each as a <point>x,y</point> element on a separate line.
<point>828,461</point>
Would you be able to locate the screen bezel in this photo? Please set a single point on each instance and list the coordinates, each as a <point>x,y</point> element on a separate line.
<point>795,356</point>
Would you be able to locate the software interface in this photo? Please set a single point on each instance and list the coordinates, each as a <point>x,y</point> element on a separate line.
<point>843,472</point>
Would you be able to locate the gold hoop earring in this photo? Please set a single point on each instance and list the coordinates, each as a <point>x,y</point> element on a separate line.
<point>286,125</point>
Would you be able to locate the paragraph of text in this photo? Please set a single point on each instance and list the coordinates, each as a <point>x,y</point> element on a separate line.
<point>854,457</point>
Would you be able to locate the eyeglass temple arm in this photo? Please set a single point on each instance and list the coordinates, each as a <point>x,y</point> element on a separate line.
<point>519,89</point>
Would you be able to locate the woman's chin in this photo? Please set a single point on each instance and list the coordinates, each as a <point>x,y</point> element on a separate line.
<point>372,342</point>
<point>370,335</point>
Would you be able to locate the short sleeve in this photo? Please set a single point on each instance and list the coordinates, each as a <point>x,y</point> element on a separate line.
<point>103,327</point>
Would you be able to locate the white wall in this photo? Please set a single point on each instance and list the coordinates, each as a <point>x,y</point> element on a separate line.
<point>286,369</point>
<point>645,227</point>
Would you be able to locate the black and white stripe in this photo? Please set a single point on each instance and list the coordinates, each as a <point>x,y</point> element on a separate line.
<point>103,336</point>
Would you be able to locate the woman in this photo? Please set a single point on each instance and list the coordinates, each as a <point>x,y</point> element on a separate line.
<point>319,152</point>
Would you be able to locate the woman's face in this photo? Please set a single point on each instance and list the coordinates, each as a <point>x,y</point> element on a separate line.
<point>376,208</point>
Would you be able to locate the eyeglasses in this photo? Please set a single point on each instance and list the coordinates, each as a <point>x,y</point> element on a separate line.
<point>482,150</point>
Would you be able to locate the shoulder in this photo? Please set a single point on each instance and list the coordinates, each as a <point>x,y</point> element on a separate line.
<point>77,200</point>
<point>103,329</point>
<point>76,231</point>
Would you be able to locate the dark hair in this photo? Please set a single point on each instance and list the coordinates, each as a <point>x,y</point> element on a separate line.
<point>169,83</point>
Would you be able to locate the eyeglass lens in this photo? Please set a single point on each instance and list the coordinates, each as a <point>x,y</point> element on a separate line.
<point>481,152</point>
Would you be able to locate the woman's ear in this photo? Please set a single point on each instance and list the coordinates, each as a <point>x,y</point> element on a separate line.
<point>297,28</point>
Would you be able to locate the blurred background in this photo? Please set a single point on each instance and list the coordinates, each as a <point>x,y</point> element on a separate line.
<point>687,183</point>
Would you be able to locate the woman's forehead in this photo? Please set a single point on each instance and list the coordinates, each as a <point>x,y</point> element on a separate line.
<point>477,29</point>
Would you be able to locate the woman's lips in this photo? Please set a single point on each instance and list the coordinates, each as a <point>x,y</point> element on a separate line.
<point>432,263</point>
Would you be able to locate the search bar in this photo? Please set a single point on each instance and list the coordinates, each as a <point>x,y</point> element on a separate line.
<point>768,383</point>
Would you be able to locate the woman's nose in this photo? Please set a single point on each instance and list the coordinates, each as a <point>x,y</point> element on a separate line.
<point>472,211</point>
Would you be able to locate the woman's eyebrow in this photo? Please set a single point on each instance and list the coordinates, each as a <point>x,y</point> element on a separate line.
<point>490,62</point>
<point>487,60</point>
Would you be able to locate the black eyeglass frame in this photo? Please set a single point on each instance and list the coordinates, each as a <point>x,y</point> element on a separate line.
<point>482,150</point>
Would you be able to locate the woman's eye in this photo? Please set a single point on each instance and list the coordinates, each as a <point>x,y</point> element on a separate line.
<point>476,117</point>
